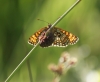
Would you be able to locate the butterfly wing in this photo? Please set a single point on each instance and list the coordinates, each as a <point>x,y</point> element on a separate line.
<point>33,40</point>
<point>55,37</point>
<point>63,38</point>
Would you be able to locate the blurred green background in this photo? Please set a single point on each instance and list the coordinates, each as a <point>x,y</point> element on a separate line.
<point>18,21</point>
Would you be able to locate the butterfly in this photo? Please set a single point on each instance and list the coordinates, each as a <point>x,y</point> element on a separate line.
<point>54,37</point>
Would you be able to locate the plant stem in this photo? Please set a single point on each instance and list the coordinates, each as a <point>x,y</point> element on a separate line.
<point>29,71</point>
<point>64,14</point>
<point>55,23</point>
<point>19,65</point>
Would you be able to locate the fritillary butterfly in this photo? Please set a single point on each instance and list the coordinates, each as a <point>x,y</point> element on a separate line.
<point>55,37</point>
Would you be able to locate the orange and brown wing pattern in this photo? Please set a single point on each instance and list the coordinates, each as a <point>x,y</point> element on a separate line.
<point>33,40</point>
<point>55,37</point>
<point>63,38</point>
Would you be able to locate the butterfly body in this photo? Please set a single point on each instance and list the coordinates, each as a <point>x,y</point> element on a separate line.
<point>54,37</point>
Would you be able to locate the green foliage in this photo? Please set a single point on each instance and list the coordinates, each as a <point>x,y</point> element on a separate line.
<point>18,21</point>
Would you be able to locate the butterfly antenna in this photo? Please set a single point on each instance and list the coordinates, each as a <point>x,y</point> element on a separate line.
<point>43,21</point>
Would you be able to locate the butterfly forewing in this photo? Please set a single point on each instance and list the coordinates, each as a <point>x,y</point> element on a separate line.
<point>33,40</point>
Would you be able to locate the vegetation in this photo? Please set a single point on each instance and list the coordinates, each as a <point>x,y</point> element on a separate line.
<point>19,21</point>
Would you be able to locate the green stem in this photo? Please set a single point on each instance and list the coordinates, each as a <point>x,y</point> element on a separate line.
<point>55,23</point>
<point>25,58</point>
<point>64,14</point>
